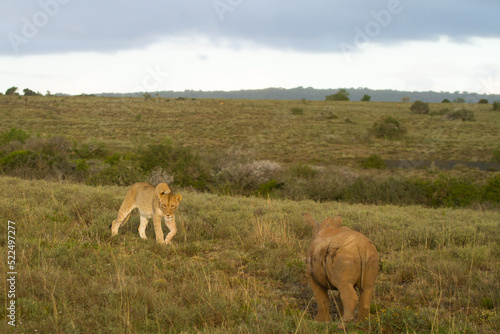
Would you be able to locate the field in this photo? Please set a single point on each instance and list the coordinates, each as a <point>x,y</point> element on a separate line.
<point>237,262</point>
<point>319,132</point>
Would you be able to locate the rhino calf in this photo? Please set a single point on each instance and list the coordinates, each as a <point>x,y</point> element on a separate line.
<point>340,258</point>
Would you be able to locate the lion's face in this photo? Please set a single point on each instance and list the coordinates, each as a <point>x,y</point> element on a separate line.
<point>169,204</point>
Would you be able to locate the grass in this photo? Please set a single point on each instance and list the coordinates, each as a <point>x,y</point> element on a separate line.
<point>236,265</point>
<point>264,126</point>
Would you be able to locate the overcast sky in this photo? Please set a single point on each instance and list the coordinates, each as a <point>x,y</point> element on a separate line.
<point>91,46</point>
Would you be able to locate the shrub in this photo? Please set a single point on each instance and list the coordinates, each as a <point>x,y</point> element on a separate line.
<point>388,128</point>
<point>492,190</point>
<point>366,98</point>
<point>12,135</point>
<point>461,114</point>
<point>496,156</point>
<point>91,150</point>
<point>483,101</point>
<point>297,111</point>
<point>266,188</point>
<point>374,161</point>
<point>452,192</point>
<point>419,107</point>
<point>247,176</point>
<point>187,169</point>
<point>446,101</point>
<point>303,171</point>
<point>123,173</point>
<point>496,105</point>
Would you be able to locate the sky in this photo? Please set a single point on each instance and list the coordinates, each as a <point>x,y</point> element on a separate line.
<point>95,46</point>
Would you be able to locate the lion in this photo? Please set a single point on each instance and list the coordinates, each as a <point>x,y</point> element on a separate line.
<point>153,202</point>
<point>340,258</point>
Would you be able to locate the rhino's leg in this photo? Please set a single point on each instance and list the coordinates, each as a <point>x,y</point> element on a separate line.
<point>321,295</point>
<point>365,300</point>
<point>349,300</point>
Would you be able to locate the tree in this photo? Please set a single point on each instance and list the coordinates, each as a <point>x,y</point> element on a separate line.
<point>446,101</point>
<point>11,91</point>
<point>483,101</point>
<point>366,98</point>
<point>341,95</point>
<point>459,100</point>
<point>405,99</point>
<point>29,92</point>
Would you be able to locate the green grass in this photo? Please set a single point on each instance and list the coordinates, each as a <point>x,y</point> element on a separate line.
<point>237,265</point>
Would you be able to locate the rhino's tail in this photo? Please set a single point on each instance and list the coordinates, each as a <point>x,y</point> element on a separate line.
<point>369,271</point>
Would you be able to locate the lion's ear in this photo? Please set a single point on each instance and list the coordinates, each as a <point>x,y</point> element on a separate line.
<point>178,197</point>
<point>162,189</point>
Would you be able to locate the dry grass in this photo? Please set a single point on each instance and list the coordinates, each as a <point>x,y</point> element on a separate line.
<point>236,265</point>
<point>267,127</point>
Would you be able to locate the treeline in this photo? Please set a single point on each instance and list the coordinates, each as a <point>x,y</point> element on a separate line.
<point>312,94</point>
<point>233,172</point>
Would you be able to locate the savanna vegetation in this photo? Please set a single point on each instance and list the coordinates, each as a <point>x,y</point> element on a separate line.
<point>247,170</point>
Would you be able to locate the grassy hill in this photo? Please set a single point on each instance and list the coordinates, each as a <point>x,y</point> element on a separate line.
<point>316,132</point>
<point>236,265</point>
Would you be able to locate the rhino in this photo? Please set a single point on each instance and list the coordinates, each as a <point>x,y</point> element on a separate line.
<point>339,259</point>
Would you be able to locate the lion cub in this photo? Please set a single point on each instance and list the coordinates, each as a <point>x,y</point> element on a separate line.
<point>153,202</point>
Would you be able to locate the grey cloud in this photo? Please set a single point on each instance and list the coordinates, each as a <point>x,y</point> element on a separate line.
<point>49,26</point>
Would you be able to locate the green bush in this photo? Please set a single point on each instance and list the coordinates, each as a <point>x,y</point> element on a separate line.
<point>297,111</point>
<point>374,161</point>
<point>398,191</point>
<point>92,150</point>
<point>187,169</point>
<point>267,188</point>
<point>496,156</point>
<point>419,107</point>
<point>303,171</point>
<point>452,192</point>
<point>491,191</point>
<point>122,173</point>
<point>461,114</point>
<point>496,105</point>
<point>12,135</point>
<point>388,128</point>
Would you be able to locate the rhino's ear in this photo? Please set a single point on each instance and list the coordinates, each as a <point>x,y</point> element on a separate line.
<point>310,220</point>
<point>162,189</point>
<point>337,221</point>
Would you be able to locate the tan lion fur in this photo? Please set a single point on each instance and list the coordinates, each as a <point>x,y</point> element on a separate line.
<point>153,202</point>
<point>340,258</point>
